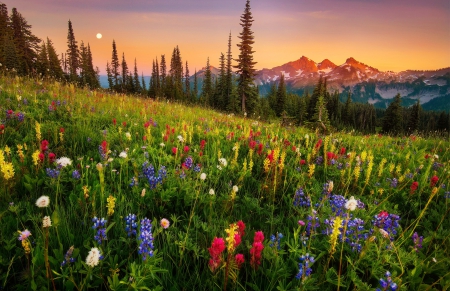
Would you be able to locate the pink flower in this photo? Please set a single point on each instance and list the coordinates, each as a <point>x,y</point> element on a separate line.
<point>186,149</point>
<point>256,250</point>
<point>241,227</point>
<point>165,223</point>
<point>44,145</point>
<point>24,234</point>
<point>239,258</point>
<point>174,150</point>
<point>51,157</point>
<point>216,249</point>
<point>434,180</point>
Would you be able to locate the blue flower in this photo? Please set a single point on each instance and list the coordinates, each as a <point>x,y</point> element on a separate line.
<point>99,225</point>
<point>76,175</point>
<point>131,225</point>
<point>300,199</point>
<point>304,269</point>
<point>146,238</point>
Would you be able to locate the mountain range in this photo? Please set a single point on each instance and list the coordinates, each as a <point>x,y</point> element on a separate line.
<point>365,83</point>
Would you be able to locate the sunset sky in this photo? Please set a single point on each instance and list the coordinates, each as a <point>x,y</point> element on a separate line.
<point>390,35</point>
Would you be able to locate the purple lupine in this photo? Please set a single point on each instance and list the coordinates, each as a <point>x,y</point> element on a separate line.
<point>131,225</point>
<point>387,284</point>
<point>304,267</point>
<point>417,240</point>
<point>99,225</point>
<point>300,199</point>
<point>146,238</point>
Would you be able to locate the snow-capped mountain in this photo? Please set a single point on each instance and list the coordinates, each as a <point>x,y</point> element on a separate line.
<point>366,83</point>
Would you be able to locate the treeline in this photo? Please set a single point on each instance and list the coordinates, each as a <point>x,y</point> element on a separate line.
<point>23,53</point>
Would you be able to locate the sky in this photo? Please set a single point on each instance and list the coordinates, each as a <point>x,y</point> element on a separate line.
<point>390,35</point>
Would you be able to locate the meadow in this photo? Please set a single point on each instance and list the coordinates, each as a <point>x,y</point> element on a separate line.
<point>105,191</point>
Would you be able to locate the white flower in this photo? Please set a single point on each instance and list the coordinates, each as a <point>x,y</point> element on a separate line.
<point>219,167</point>
<point>143,192</point>
<point>434,260</point>
<point>436,157</point>
<point>46,222</point>
<point>203,176</point>
<point>306,136</point>
<point>43,201</point>
<point>93,257</point>
<point>162,145</point>
<point>180,138</point>
<point>123,155</point>
<point>331,186</point>
<point>211,191</point>
<point>223,162</point>
<point>384,233</point>
<point>235,188</point>
<point>64,161</point>
<point>351,204</point>
<point>128,135</point>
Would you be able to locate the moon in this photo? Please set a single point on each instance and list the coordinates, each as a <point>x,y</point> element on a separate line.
<point>99,35</point>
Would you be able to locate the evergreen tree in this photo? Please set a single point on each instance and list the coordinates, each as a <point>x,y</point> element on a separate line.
<point>281,97</point>
<point>163,76</point>
<point>94,78</point>
<point>442,123</point>
<point>53,61</point>
<point>301,111</point>
<point>414,117</point>
<point>221,90</point>
<point>43,67</point>
<point>4,30</point>
<point>26,44</point>
<point>10,57</point>
<point>153,79</point>
<point>109,75</point>
<point>319,90</point>
<point>245,67</point>
<point>392,120</point>
<point>229,76</point>
<point>195,89</point>
<point>124,66</point>
<point>206,96</point>
<point>320,118</point>
<point>187,84</point>
<point>73,54</point>
<point>136,83</point>
<point>83,64</point>
<point>346,112</point>
<point>115,65</point>
<point>143,86</point>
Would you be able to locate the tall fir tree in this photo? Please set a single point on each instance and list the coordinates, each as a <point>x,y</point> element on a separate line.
<point>207,91</point>
<point>53,61</point>
<point>136,82</point>
<point>187,83</point>
<point>115,66</point>
<point>245,67</point>
<point>319,90</point>
<point>346,114</point>
<point>72,54</point>
<point>414,118</point>
<point>25,42</point>
<point>124,77</point>
<point>4,29</point>
<point>281,97</point>
<point>94,78</point>
<point>10,57</point>
<point>392,120</point>
<point>109,76</point>
<point>195,89</point>
<point>320,118</point>
<point>143,85</point>
<point>43,67</point>
<point>163,76</point>
<point>221,90</point>
<point>229,75</point>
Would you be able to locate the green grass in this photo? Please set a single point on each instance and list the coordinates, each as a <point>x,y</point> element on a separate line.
<point>266,162</point>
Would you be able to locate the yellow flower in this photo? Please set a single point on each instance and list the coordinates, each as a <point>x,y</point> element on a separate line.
<point>312,167</point>
<point>86,192</point>
<point>230,238</point>
<point>7,151</point>
<point>335,233</point>
<point>38,131</point>
<point>8,170</point>
<point>35,157</point>
<point>111,204</point>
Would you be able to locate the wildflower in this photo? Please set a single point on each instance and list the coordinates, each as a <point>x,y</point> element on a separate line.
<point>223,162</point>
<point>215,251</point>
<point>123,155</point>
<point>180,138</point>
<point>130,224</point>
<point>185,149</point>
<point>211,191</point>
<point>387,223</point>
<point>111,203</point>
<point>44,145</point>
<point>165,223</point>
<point>388,283</point>
<point>162,145</point>
<point>76,174</point>
<point>275,240</point>
<point>233,239</point>
<point>433,181</point>
<point>301,223</point>
<point>417,240</point>
<point>64,162</point>
<point>256,250</point>
<point>351,204</point>
<point>187,163</point>
<point>43,201</point>
<point>337,223</point>
<point>414,187</point>
<point>7,170</point>
<point>51,157</point>
<point>99,224</point>
<point>94,257</point>
<point>46,222</point>
<point>241,228</point>
<point>304,269</point>
<point>128,135</point>
<point>203,176</point>
<point>239,259</point>
<point>23,235</point>
<point>300,199</point>
<point>52,173</point>
<point>174,150</point>
<point>146,239</point>
<point>143,192</point>
<point>235,189</point>
<point>68,257</point>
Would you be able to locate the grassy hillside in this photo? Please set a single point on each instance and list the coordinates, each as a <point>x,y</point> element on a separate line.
<point>105,191</point>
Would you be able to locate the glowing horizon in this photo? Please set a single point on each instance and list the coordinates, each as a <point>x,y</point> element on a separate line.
<point>387,35</point>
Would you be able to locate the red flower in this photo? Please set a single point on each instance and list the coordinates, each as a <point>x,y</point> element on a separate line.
<point>259,236</point>
<point>434,180</point>
<point>302,162</point>
<point>2,128</point>
<point>342,152</point>
<point>114,121</point>
<point>414,187</point>
<point>252,144</point>
<point>104,146</point>
<point>260,149</point>
<point>241,227</point>
<point>202,144</point>
<point>41,157</point>
<point>166,137</point>
<point>44,145</point>
<point>174,150</point>
<point>239,258</point>
<point>200,153</point>
<point>318,144</point>
<point>256,250</point>
<point>270,156</point>
<point>144,138</point>
<point>147,124</point>
<point>383,214</point>
<point>427,156</point>
<point>331,156</point>
<point>186,149</point>
<point>124,124</point>
<point>51,157</point>
<point>237,240</point>
<point>62,130</point>
<point>294,148</point>
<point>216,249</point>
